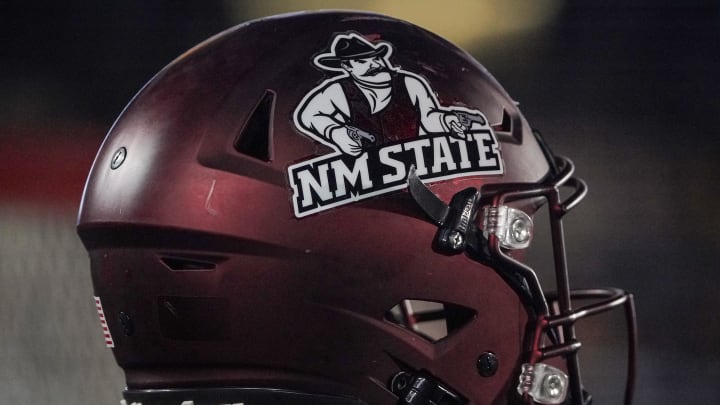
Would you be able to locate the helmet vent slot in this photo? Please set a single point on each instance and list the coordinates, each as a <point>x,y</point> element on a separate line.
<point>430,320</point>
<point>178,263</point>
<point>255,136</point>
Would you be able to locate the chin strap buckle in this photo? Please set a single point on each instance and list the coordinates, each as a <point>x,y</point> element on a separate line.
<point>421,389</point>
<point>456,231</point>
<point>455,221</point>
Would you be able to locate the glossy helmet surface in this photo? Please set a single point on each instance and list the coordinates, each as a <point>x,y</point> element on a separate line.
<point>331,208</point>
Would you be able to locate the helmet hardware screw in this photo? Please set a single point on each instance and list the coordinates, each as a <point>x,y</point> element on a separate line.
<point>400,382</point>
<point>487,364</point>
<point>118,158</point>
<point>456,240</point>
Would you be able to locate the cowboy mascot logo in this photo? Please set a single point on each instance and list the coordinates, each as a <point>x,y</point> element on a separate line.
<point>380,120</point>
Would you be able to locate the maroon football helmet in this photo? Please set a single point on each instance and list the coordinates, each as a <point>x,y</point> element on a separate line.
<point>333,208</point>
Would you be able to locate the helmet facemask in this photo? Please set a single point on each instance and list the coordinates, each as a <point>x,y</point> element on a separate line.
<point>485,225</point>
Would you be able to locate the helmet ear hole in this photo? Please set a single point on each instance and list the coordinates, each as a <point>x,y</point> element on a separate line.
<point>430,320</point>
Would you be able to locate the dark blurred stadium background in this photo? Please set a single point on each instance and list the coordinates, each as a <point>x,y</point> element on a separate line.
<point>630,91</point>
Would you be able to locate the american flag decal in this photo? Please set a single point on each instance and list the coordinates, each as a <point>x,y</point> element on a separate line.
<point>106,332</point>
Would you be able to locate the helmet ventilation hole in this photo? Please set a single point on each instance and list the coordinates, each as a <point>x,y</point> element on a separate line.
<point>255,137</point>
<point>178,263</point>
<point>430,320</point>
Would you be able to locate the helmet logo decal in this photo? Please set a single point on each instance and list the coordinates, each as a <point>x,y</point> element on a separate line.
<point>380,120</point>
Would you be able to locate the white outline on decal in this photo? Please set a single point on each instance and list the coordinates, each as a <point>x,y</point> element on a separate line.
<point>324,115</point>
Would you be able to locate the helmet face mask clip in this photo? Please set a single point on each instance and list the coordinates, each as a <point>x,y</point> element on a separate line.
<point>333,208</point>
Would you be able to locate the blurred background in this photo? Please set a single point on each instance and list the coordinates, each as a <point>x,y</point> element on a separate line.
<point>631,92</point>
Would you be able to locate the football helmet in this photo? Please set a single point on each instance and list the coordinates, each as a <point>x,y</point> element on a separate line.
<point>333,208</point>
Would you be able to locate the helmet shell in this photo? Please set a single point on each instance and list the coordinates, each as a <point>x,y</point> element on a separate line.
<point>209,278</point>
